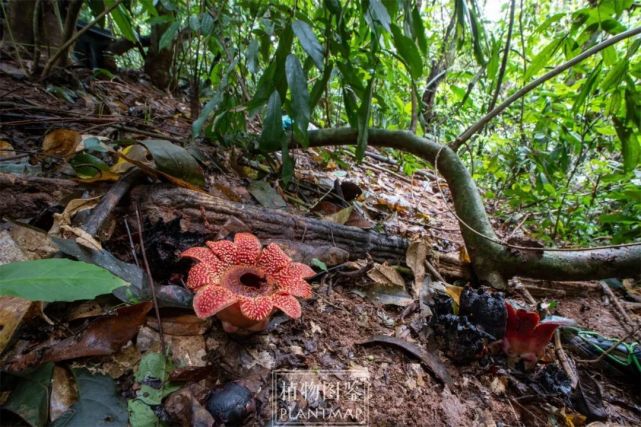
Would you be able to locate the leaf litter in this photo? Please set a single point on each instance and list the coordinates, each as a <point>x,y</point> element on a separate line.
<point>333,324</point>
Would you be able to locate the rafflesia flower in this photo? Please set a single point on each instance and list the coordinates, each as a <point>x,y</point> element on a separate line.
<point>525,337</point>
<point>242,283</point>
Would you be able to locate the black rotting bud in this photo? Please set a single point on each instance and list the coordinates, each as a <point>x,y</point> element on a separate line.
<point>442,305</point>
<point>553,381</point>
<point>462,341</point>
<point>484,309</point>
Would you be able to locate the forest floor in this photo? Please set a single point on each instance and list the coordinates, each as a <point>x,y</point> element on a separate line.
<point>340,316</point>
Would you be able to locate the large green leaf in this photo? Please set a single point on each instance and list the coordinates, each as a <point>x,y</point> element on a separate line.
<point>272,136</point>
<point>351,108</point>
<point>284,48</point>
<point>587,88</point>
<point>99,403</point>
<point>407,49</point>
<point>175,161</point>
<point>56,280</point>
<point>88,166</point>
<point>630,147</point>
<point>418,30</point>
<point>30,398</point>
<point>169,36</point>
<point>141,414</point>
<point>319,87</point>
<point>309,42</point>
<point>264,88</point>
<point>378,12</point>
<point>154,369</point>
<point>300,111</point>
<point>615,75</point>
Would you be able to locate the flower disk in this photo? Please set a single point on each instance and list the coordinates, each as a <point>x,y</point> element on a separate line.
<point>243,283</point>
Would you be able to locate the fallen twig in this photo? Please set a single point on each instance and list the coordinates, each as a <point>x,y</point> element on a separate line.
<point>109,201</point>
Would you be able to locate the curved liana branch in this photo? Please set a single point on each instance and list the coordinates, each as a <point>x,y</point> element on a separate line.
<point>493,262</point>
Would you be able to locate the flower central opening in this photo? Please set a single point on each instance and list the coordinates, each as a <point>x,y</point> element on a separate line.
<point>253,280</point>
<point>246,280</point>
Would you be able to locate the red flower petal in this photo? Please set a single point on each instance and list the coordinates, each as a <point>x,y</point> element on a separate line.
<point>541,336</point>
<point>200,254</point>
<point>247,248</point>
<point>290,280</point>
<point>288,304</point>
<point>525,338</point>
<point>211,299</point>
<point>224,249</point>
<point>300,270</point>
<point>520,322</point>
<point>256,308</point>
<point>272,259</point>
<point>298,288</point>
<point>200,275</point>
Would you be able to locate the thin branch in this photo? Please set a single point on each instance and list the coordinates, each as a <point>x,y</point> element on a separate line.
<point>75,37</point>
<point>506,51</point>
<point>150,281</point>
<point>476,127</point>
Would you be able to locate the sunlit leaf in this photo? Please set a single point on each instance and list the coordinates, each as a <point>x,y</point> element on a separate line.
<point>408,51</point>
<point>122,20</point>
<point>379,13</point>
<point>543,57</point>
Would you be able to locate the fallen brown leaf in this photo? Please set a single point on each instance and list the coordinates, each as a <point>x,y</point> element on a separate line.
<point>61,142</point>
<point>104,336</point>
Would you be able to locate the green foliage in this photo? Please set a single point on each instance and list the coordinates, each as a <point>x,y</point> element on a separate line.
<point>152,375</point>
<point>568,154</point>
<point>30,398</point>
<point>56,280</point>
<point>174,160</point>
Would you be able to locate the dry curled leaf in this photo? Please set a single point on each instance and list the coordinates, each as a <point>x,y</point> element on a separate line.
<point>13,311</point>
<point>341,216</point>
<point>384,274</point>
<point>415,259</point>
<point>105,335</point>
<point>6,150</point>
<point>64,392</point>
<point>135,152</point>
<point>61,142</point>
<point>463,256</point>
<point>73,207</point>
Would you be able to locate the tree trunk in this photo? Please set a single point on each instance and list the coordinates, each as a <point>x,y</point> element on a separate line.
<point>201,213</point>
<point>159,62</point>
